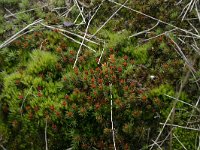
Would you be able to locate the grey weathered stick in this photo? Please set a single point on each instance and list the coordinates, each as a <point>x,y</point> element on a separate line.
<point>195,107</point>
<point>168,117</point>
<point>136,34</point>
<point>2,147</point>
<point>69,32</point>
<point>8,41</point>
<point>111,116</point>
<point>77,41</point>
<point>101,53</point>
<point>183,127</point>
<point>179,141</point>
<point>45,132</point>
<point>81,12</point>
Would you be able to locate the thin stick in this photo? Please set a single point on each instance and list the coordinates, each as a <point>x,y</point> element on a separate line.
<point>162,142</point>
<point>166,32</point>
<point>136,34</point>
<point>101,54</point>
<point>19,36</point>
<point>187,7</point>
<point>198,14</point>
<point>183,127</point>
<point>2,147</point>
<point>67,12</point>
<point>10,12</point>
<point>163,126</point>
<point>69,32</point>
<point>46,141</point>
<point>111,116</point>
<point>81,12</point>
<point>197,103</point>
<point>193,27</point>
<point>182,101</point>
<point>109,18</point>
<point>199,144</point>
<point>157,144</point>
<point>15,35</point>
<point>183,56</point>
<point>179,141</point>
<point>7,16</point>
<point>86,30</point>
<point>77,41</point>
<point>57,8</point>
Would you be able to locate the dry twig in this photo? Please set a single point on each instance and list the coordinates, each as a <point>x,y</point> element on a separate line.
<point>46,141</point>
<point>111,116</point>
<point>8,41</point>
<point>86,30</point>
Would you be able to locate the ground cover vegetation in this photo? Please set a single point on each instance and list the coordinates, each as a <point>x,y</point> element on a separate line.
<point>99,74</point>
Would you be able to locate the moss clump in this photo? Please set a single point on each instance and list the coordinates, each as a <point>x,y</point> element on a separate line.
<point>41,61</point>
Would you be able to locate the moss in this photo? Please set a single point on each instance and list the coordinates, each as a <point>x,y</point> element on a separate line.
<point>141,53</point>
<point>115,40</point>
<point>188,138</point>
<point>4,133</point>
<point>41,85</point>
<point>41,61</point>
